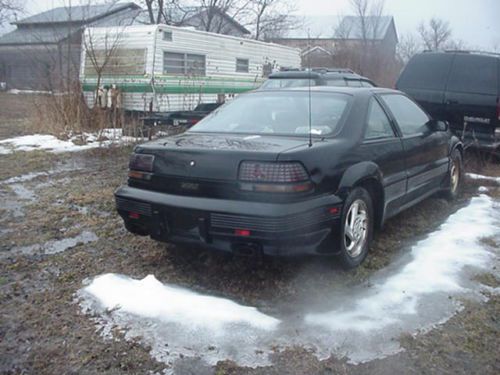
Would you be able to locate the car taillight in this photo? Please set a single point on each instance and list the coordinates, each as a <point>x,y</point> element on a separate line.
<point>141,166</point>
<point>141,162</point>
<point>498,109</point>
<point>274,177</point>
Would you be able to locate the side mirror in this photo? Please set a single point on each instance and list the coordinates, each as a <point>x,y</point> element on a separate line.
<point>438,126</point>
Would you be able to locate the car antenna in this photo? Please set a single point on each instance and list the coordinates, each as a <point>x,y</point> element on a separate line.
<point>309,85</point>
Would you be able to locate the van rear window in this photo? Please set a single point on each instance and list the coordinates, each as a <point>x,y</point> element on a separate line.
<point>427,71</point>
<point>474,74</point>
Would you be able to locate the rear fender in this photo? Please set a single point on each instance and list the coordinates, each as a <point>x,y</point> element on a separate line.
<point>456,144</point>
<point>355,174</point>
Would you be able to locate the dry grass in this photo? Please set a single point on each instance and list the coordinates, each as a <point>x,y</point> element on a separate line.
<point>67,114</point>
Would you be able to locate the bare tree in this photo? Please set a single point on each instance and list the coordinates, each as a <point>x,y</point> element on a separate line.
<point>369,13</point>
<point>217,14</point>
<point>435,34</point>
<point>408,46</point>
<point>100,51</point>
<point>358,44</point>
<point>9,9</point>
<point>169,12</point>
<point>272,18</point>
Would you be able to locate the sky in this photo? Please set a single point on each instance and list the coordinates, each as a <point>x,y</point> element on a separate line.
<point>476,22</point>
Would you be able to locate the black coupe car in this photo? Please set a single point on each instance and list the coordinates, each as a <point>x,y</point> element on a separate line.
<point>291,172</point>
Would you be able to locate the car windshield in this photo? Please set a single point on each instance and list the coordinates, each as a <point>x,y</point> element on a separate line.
<point>282,83</point>
<point>284,113</point>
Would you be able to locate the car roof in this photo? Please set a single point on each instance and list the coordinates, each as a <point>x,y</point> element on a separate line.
<point>462,52</point>
<point>297,74</point>
<point>337,89</point>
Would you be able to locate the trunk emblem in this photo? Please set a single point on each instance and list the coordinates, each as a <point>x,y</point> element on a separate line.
<point>192,163</point>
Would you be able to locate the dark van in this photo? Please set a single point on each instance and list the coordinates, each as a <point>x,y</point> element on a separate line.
<point>462,88</point>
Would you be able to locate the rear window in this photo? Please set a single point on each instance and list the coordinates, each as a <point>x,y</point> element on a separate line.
<point>281,83</point>
<point>474,74</point>
<point>285,113</point>
<point>427,71</point>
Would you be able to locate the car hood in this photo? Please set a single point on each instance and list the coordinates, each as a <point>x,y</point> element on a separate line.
<point>214,156</point>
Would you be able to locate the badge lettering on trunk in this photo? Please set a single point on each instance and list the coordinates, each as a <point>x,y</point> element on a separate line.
<point>189,186</point>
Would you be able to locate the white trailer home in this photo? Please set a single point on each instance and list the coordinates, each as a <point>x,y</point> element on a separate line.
<point>163,68</point>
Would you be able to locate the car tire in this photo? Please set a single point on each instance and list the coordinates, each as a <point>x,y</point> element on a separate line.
<point>455,176</point>
<point>356,230</point>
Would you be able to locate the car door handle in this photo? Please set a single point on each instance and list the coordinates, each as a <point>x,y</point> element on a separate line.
<point>452,102</point>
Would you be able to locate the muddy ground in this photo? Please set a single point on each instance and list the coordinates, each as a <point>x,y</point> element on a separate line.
<point>58,228</point>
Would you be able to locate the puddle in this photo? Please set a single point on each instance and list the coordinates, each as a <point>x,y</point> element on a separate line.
<point>58,246</point>
<point>363,323</point>
<point>11,205</point>
<point>53,246</point>
<point>14,204</point>
<point>22,192</point>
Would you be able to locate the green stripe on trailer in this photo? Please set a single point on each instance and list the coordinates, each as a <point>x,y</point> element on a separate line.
<point>160,77</point>
<point>138,87</point>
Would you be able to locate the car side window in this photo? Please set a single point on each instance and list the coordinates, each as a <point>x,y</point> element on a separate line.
<point>377,124</point>
<point>336,82</point>
<point>353,83</point>
<point>410,118</point>
<point>474,74</point>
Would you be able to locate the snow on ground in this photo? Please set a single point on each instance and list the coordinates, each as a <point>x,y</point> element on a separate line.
<point>37,92</point>
<point>414,295</point>
<point>175,321</point>
<point>475,176</point>
<point>152,299</point>
<point>362,323</point>
<point>106,137</point>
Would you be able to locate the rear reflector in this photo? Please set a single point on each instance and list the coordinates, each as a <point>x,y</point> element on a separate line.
<point>334,210</point>
<point>242,232</point>
<point>134,215</point>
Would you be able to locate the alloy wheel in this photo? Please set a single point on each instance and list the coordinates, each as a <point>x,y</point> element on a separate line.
<point>454,176</point>
<point>356,228</point>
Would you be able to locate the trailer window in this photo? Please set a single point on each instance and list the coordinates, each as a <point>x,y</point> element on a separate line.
<point>167,36</point>
<point>195,65</point>
<point>183,64</point>
<point>242,65</point>
<point>120,61</point>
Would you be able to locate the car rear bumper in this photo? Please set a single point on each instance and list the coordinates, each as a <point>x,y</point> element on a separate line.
<point>306,227</point>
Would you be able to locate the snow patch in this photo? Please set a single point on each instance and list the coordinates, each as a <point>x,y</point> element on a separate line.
<point>176,322</point>
<point>414,296</point>
<point>106,137</point>
<point>151,299</point>
<point>475,176</point>
<point>28,92</point>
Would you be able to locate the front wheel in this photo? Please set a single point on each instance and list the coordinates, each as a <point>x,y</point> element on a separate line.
<point>356,228</point>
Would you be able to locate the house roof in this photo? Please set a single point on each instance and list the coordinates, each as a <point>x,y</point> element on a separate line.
<point>333,27</point>
<point>224,15</point>
<point>192,15</point>
<point>375,28</point>
<point>45,33</point>
<point>82,14</point>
